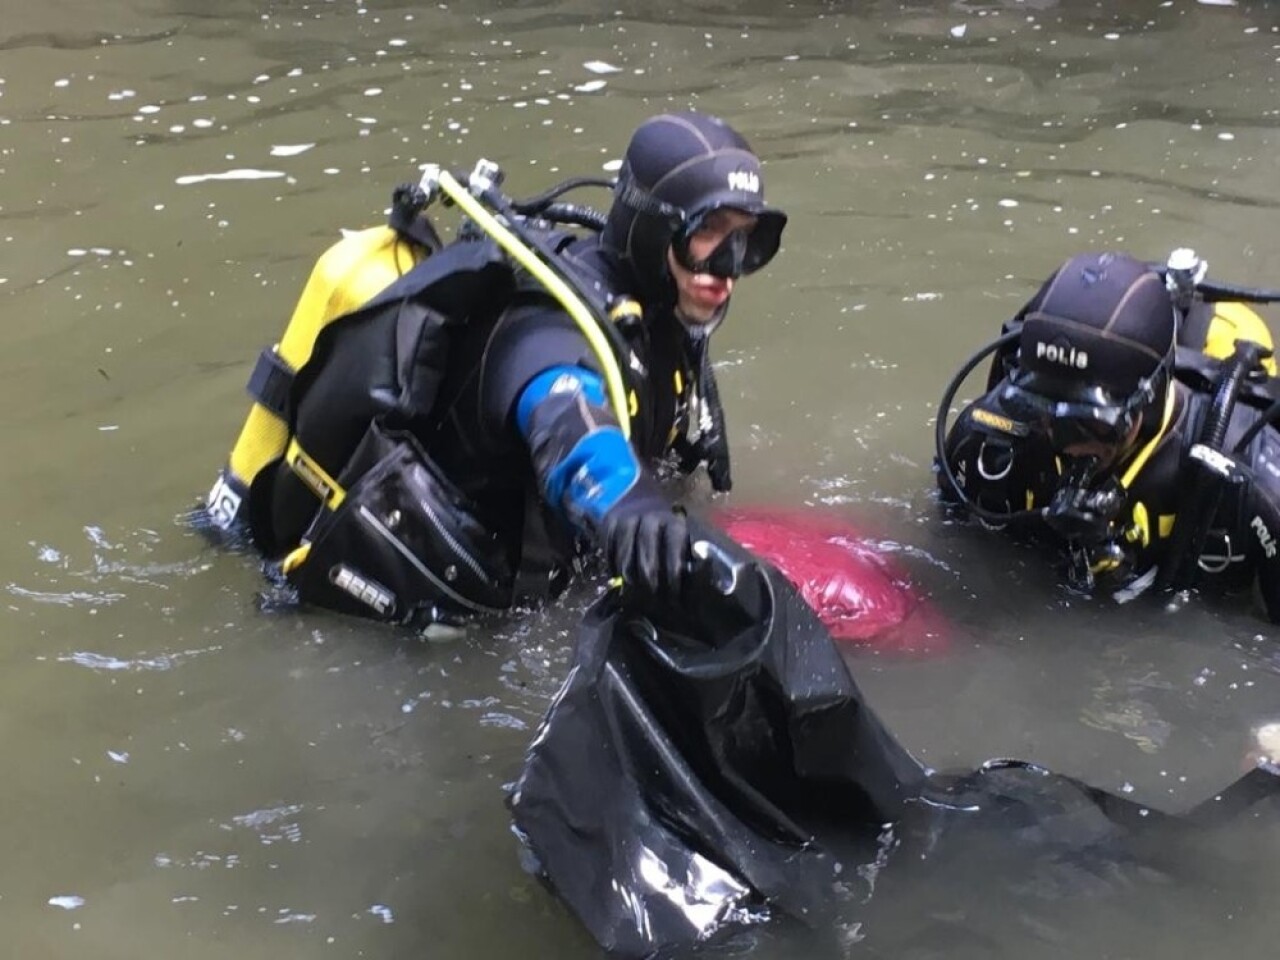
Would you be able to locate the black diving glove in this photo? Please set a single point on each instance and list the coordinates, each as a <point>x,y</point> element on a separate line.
<point>650,551</point>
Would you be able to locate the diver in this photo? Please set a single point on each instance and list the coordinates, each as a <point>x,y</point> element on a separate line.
<point>1148,463</point>
<point>460,424</point>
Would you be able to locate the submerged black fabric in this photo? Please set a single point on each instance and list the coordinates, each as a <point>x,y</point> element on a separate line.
<point>708,769</point>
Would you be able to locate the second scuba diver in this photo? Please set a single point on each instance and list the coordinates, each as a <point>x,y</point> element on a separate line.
<point>451,421</point>
<point>1149,463</point>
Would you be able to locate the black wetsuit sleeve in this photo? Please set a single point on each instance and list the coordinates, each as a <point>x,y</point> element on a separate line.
<point>528,339</point>
<point>1263,521</point>
<point>541,388</point>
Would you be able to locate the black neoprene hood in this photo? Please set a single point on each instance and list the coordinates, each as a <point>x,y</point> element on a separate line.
<point>677,167</point>
<point>1103,322</point>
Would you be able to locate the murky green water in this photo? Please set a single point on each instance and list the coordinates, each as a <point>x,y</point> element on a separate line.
<point>185,772</point>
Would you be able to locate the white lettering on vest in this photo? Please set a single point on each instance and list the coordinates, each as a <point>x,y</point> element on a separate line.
<point>1265,540</point>
<point>366,591</point>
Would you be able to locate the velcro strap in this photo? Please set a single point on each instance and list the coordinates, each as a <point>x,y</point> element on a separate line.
<point>270,382</point>
<point>315,477</point>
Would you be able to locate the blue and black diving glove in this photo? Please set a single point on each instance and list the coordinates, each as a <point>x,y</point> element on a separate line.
<point>591,477</point>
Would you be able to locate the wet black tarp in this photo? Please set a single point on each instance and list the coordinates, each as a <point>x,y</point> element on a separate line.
<point>707,769</point>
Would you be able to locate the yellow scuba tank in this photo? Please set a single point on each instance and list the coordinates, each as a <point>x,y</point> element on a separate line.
<point>347,275</point>
<point>1232,321</point>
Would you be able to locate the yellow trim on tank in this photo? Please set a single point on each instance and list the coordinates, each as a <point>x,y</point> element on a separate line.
<point>348,275</point>
<point>1234,321</point>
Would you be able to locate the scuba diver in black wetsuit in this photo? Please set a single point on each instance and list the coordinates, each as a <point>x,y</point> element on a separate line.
<point>448,417</point>
<point>1150,462</point>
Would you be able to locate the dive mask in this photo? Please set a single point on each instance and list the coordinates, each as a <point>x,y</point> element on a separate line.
<point>1091,416</point>
<point>742,251</point>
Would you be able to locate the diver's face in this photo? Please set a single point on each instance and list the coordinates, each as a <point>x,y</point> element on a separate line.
<point>1108,453</point>
<point>701,296</point>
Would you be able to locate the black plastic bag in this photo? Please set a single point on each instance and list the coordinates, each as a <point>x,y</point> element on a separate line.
<point>707,769</point>
<point>673,790</point>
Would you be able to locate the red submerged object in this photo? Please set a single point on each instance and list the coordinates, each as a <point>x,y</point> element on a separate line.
<point>858,592</point>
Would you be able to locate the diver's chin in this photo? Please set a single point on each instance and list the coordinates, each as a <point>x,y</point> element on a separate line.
<point>699,322</point>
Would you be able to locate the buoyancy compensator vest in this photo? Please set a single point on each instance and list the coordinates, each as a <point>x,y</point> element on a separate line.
<point>328,475</point>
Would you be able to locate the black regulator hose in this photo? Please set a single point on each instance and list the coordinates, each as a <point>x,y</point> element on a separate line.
<point>1214,291</point>
<point>940,436</point>
<point>535,205</point>
<point>496,201</point>
<point>1268,417</point>
<point>575,214</point>
<point>1200,496</point>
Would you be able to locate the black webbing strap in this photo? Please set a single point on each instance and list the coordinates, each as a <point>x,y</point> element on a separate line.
<point>270,382</point>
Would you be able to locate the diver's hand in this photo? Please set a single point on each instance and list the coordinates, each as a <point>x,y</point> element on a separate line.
<point>650,551</point>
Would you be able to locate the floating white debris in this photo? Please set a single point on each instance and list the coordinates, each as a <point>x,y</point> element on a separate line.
<point>149,108</point>
<point>290,149</point>
<point>599,66</point>
<point>1217,3</point>
<point>397,42</point>
<point>958,31</point>
<point>121,94</point>
<point>612,165</point>
<point>66,902</point>
<point>261,78</point>
<point>119,756</point>
<point>202,123</point>
<point>62,83</point>
<point>373,92</point>
<point>1226,136</point>
<point>591,86</point>
<point>382,912</point>
<point>1111,36</point>
<point>244,174</point>
<point>109,428</point>
<point>1008,203</point>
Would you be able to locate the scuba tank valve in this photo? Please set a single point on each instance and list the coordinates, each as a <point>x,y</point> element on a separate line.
<point>1182,274</point>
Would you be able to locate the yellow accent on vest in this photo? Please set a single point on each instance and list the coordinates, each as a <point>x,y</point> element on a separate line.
<point>347,275</point>
<point>633,404</point>
<point>679,383</point>
<point>314,476</point>
<point>1145,453</point>
<point>296,558</point>
<point>625,308</point>
<point>1236,321</point>
<point>1139,531</point>
<point>1104,565</point>
<point>1031,499</point>
<point>1164,524</point>
<point>993,420</point>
